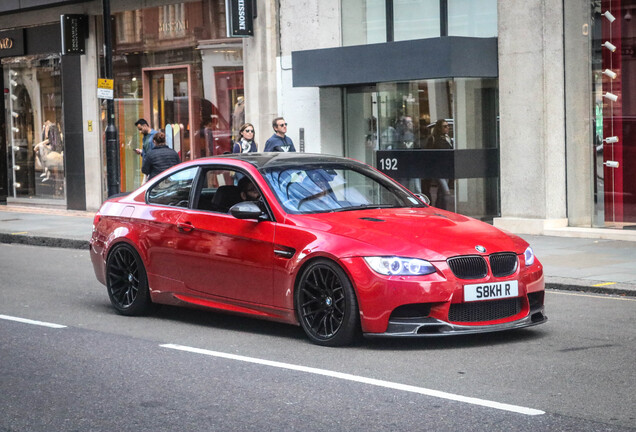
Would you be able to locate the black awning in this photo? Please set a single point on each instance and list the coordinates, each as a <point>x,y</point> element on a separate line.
<point>443,57</point>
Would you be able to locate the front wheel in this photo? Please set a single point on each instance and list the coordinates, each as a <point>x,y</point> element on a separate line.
<point>326,305</point>
<point>126,281</point>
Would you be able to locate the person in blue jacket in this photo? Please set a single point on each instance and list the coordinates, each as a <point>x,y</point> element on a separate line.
<point>148,133</point>
<point>279,142</point>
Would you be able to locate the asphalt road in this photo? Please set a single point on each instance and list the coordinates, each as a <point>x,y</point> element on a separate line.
<point>195,370</point>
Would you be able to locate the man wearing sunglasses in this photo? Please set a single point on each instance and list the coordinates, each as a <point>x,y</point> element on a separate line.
<point>279,142</point>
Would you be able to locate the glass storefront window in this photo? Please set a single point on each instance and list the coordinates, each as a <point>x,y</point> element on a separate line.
<point>35,127</point>
<point>614,90</point>
<point>436,137</point>
<point>415,19</point>
<point>363,22</point>
<point>472,18</point>
<point>174,67</point>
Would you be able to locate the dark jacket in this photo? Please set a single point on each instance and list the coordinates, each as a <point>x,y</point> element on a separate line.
<point>279,144</point>
<point>438,142</point>
<point>238,147</point>
<point>158,160</point>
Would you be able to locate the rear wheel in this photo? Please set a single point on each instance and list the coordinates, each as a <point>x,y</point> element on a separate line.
<point>126,281</point>
<point>326,305</point>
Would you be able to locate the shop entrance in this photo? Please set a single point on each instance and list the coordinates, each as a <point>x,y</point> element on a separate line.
<point>169,101</point>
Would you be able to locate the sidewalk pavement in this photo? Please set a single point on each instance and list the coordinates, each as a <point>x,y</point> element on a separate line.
<point>590,264</point>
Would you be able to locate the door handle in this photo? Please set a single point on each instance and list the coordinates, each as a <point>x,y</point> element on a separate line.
<point>185,227</point>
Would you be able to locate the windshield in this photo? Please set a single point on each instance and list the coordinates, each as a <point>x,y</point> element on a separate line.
<point>334,187</point>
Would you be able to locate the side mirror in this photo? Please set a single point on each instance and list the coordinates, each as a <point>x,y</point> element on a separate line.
<point>423,198</point>
<point>248,210</point>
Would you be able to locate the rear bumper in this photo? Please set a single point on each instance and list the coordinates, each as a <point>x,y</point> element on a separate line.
<point>433,327</point>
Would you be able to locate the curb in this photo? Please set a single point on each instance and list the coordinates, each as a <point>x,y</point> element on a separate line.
<point>44,241</point>
<point>573,286</point>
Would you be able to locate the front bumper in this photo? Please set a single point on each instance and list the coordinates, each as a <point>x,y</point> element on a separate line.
<point>433,327</point>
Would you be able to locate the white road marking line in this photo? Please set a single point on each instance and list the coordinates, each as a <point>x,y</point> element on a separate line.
<point>363,380</point>
<point>606,297</point>
<point>28,321</point>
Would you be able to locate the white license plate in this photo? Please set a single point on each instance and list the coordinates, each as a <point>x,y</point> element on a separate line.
<point>490,291</point>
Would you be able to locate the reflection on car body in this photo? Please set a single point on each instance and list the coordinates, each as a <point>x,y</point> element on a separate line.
<point>330,244</point>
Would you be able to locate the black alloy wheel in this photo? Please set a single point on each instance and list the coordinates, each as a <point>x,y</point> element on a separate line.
<point>126,281</point>
<point>326,305</point>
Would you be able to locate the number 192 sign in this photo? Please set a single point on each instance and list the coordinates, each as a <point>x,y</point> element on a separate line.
<point>416,163</point>
<point>388,164</point>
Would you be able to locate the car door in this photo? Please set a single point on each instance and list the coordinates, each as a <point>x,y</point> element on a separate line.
<point>223,256</point>
<point>158,232</point>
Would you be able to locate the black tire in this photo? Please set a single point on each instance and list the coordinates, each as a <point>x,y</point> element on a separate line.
<point>326,305</point>
<point>126,281</point>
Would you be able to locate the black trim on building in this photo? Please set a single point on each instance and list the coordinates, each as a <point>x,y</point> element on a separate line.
<point>388,10</point>
<point>74,135</point>
<point>14,6</point>
<point>43,39</point>
<point>443,17</point>
<point>4,182</point>
<point>443,57</point>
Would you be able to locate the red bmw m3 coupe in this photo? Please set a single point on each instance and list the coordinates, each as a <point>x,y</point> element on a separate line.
<point>323,242</point>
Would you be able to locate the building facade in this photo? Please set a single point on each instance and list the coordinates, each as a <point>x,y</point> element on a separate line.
<point>540,105</point>
<point>521,113</point>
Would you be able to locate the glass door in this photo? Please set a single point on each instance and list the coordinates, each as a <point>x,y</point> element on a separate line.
<point>168,100</point>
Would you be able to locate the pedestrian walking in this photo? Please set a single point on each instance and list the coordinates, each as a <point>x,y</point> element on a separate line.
<point>245,143</point>
<point>160,158</point>
<point>279,142</point>
<point>148,133</point>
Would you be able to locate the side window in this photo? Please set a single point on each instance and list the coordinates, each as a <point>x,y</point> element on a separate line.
<point>173,190</point>
<point>219,190</point>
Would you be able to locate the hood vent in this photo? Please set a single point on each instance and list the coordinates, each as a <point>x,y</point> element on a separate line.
<point>371,219</point>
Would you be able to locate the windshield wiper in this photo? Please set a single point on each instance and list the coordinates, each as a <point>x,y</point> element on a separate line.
<point>364,207</point>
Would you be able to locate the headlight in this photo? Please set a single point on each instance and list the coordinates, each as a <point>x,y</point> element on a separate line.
<point>400,266</point>
<point>529,256</point>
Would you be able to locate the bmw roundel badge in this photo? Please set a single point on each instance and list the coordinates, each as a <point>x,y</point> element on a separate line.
<point>480,248</point>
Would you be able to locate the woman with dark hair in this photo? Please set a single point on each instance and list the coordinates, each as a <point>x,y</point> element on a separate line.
<point>160,158</point>
<point>246,143</point>
<point>441,140</point>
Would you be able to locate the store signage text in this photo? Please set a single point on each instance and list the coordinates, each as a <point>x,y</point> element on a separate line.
<point>172,26</point>
<point>6,43</point>
<point>12,43</point>
<point>240,16</point>
<point>74,34</point>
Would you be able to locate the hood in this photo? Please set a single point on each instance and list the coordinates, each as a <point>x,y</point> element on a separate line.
<point>428,233</point>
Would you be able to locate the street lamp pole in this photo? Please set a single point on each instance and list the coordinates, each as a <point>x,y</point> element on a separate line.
<point>112,141</point>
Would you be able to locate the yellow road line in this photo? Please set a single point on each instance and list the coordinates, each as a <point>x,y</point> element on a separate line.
<point>604,284</point>
<point>607,297</point>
